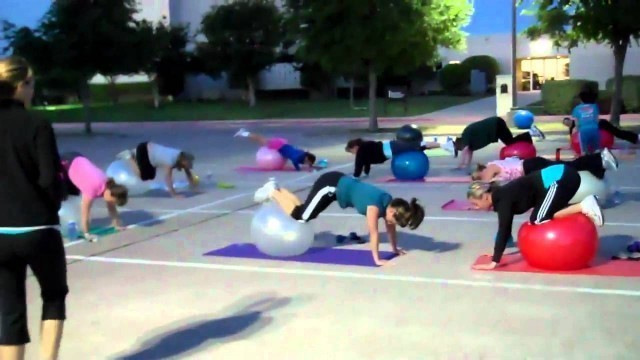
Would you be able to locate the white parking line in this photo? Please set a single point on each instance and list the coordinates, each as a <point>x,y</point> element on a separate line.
<point>353,275</point>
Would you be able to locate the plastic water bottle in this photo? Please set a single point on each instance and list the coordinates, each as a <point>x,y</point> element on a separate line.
<point>72,231</point>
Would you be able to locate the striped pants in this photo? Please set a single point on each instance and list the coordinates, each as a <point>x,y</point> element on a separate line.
<point>557,197</point>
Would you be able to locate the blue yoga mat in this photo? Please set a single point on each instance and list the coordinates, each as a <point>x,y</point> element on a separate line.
<point>317,255</point>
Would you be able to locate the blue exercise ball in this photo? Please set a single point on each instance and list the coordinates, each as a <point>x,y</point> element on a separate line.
<point>523,119</point>
<point>412,165</point>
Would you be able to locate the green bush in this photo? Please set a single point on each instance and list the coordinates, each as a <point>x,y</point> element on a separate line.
<point>559,96</point>
<point>630,91</point>
<point>125,92</point>
<point>485,63</point>
<point>455,78</point>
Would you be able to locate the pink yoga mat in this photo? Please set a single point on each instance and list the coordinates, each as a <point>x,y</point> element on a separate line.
<point>258,169</point>
<point>432,180</point>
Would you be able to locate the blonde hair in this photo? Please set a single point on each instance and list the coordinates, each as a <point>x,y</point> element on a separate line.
<point>13,71</point>
<point>477,174</point>
<point>478,188</point>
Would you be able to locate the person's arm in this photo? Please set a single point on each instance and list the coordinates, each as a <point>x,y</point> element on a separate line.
<point>465,159</point>
<point>169,182</point>
<point>360,164</point>
<point>85,214</point>
<point>374,234</point>
<point>190,178</point>
<point>505,222</point>
<point>367,169</point>
<point>115,216</point>
<point>393,238</point>
<point>49,166</point>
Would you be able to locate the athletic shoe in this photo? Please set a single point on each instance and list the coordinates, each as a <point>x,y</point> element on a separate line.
<point>264,193</point>
<point>449,146</point>
<point>609,161</point>
<point>591,208</point>
<point>536,132</point>
<point>242,133</point>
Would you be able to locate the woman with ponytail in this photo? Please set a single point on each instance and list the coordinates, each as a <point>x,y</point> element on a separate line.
<point>547,191</point>
<point>85,179</point>
<point>368,200</point>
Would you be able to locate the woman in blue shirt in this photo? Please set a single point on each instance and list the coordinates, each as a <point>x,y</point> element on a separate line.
<point>368,200</point>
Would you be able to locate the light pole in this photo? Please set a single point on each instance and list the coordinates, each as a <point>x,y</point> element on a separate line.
<point>514,62</point>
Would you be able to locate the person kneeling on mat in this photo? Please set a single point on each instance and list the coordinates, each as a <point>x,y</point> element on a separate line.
<point>607,126</point>
<point>547,191</point>
<point>378,152</point>
<point>367,199</point>
<point>482,133</point>
<point>513,168</point>
<point>148,157</point>
<point>296,156</point>
<point>85,179</point>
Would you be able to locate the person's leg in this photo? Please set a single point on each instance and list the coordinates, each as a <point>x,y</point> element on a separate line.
<point>589,140</point>
<point>570,183</point>
<point>321,195</point>
<point>597,164</point>
<point>503,132</point>
<point>536,164</point>
<point>400,147</point>
<point>46,258</point>
<point>523,137</point>
<point>145,170</point>
<point>625,135</point>
<point>558,195</point>
<point>286,200</point>
<point>14,333</point>
<point>257,138</point>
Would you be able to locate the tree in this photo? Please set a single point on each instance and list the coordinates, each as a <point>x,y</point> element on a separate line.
<point>372,36</point>
<point>573,22</point>
<point>242,40</point>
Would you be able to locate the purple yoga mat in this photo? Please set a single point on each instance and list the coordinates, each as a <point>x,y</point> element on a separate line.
<point>317,255</point>
<point>257,169</point>
<point>433,179</point>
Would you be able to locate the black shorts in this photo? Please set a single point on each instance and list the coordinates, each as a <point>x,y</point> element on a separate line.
<point>43,252</point>
<point>66,159</point>
<point>322,194</point>
<point>147,171</point>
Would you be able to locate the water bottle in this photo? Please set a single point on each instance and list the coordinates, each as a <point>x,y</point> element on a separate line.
<point>72,231</point>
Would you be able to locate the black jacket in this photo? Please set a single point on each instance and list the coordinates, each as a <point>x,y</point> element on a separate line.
<point>31,188</point>
<point>369,152</point>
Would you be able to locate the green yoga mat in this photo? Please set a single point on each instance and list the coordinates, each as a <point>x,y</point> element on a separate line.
<point>100,231</point>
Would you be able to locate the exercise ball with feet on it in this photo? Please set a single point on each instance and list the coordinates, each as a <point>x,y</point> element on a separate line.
<point>275,233</point>
<point>522,150</point>
<point>409,134</point>
<point>562,244</point>
<point>523,119</point>
<point>122,172</point>
<point>606,141</point>
<point>590,185</point>
<point>269,159</point>
<point>411,165</point>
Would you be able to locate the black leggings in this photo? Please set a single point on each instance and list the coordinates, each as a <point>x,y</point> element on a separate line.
<point>400,147</point>
<point>507,138</point>
<point>557,197</point>
<point>617,132</point>
<point>66,159</point>
<point>43,252</point>
<point>147,171</point>
<point>591,163</point>
<point>322,194</point>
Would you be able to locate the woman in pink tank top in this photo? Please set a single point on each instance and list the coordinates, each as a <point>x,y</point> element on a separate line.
<point>85,179</point>
<point>513,168</point>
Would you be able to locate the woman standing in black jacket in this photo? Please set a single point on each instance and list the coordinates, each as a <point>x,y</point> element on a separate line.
<point>31,191</point>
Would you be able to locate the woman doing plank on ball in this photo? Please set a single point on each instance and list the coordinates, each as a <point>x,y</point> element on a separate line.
<point>547,191</point>
<point>513,168</point>
<point>366,199</point>
<point>298,157</point>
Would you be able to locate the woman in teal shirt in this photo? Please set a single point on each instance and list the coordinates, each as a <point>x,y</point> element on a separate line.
<point>349,192</point>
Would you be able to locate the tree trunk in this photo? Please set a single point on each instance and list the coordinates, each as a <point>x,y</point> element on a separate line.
<point>113,89</point>
<point>251,92</point>
<point>84,93</point>
<point>155,89</point>
<point>373,85</point>
<point>619,55</point>
<point>351,100</point>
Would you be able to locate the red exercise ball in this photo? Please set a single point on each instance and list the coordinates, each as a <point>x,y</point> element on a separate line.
<point>606,141</point>
<point>523,150</point>
<point>563,244</point>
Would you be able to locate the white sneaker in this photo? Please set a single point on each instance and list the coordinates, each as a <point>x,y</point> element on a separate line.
<point>591,208</point>
<point>609,161</point>
<point>242,133</point>
<point>448,146</point>
<point>264,193</point>
<point>536,132</point>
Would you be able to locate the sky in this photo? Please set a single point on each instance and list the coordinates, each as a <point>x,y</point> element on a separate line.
<point>490,17</point>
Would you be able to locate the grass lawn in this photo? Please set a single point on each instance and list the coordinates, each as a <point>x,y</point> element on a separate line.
<point>229,110</point>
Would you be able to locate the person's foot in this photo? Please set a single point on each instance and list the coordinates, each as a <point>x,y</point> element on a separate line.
<point>536,132</point>
<point>242,133</point>
<point>609,161</point>
<point>591,208</point>
<point>449,147</point>
<point>264,193</point>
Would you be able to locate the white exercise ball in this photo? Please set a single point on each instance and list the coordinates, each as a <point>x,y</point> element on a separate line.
<point>122,172</point>
<point>590,185</point>
<point>275,233</point>
<point>70,211</point>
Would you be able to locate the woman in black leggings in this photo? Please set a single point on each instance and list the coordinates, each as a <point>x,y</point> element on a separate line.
<point>31,192</point>
<point>547,192</point>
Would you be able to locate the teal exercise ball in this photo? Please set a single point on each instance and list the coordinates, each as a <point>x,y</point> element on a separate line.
<point>409,166</point>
